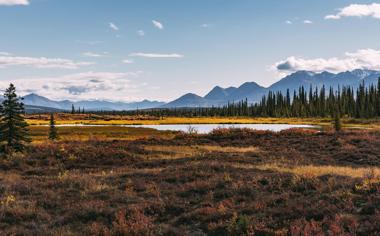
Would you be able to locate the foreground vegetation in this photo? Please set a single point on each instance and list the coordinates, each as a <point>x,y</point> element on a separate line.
<point>230,182</point>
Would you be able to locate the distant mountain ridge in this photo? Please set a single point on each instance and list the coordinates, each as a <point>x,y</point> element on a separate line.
<point>91,105</point>
<point>219,96</point>
<point>254,92</point>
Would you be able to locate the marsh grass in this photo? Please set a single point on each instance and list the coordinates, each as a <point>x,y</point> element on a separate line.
<point>39,134</point>
<point>173,152</point>
<point>225,183</point>
<point>317,171</point>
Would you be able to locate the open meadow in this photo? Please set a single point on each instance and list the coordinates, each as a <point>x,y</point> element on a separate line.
<point>134,181</point>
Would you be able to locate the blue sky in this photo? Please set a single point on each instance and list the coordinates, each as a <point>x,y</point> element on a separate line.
<point>129,50</point>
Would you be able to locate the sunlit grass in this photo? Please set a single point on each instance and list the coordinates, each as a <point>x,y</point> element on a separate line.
<point>315,171</point>
<point>39,134</point>
<point>174,152</point>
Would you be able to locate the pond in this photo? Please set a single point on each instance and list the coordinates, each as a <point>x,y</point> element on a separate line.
<point>207,128</point>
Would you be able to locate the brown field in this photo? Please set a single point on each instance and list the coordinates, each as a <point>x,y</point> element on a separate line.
<point>39,134</point>
<point>230,182</point>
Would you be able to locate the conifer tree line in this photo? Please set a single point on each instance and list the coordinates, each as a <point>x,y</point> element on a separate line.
<point>363,102</point>
<point>79,111</point>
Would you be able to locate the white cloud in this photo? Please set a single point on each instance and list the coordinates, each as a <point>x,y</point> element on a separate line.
<point>41,62</point>
<point>357,10</point>
<point>332,17</point>
<point>288,22</point>
<point>141,33</point>
<point>113,26</point>
<point>156,55</point>
<point>13,2</point>
<point>81,86</point>
<point>92,54</point>
<point>307,22</point>
<point>158,24</point>
<point>5,54</point>
<point>361,59</point>
<point>127,61</point>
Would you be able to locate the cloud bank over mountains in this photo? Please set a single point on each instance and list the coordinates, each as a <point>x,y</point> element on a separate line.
<point>82,86</point>
<point>361,59</point>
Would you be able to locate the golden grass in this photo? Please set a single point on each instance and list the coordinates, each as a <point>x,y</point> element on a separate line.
<point>315,171</point>
<point>67,119</point>
<point>39,134</point>
<point>183,120</point>
<point>174,152</point>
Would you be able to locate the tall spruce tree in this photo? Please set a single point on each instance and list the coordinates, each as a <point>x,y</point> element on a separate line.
<point>53,134</point>
<point>13,128</point>
<point>378,97</point>
<point>337,121</point>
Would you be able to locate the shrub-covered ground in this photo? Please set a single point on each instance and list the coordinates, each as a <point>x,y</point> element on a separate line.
<point>230,182</point>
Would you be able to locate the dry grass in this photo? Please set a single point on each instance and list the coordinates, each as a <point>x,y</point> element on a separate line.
<point>175,152</point>
<point>236,182</point>
<point>177,120</point>
<point>317,171</point>
<point>40,133</point>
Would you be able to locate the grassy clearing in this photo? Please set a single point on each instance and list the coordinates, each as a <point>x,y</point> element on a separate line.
<point>39,134</point>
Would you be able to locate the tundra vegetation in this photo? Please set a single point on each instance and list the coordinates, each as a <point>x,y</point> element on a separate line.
<point>136,181</point>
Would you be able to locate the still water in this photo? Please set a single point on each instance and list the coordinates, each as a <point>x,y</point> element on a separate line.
<point>207,128</point>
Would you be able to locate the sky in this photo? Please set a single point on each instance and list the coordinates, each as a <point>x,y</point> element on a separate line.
<point>130,50</point>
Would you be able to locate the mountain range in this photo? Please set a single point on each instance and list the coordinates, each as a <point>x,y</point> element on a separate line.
<point>219,96</point>
<point>35,100</point>
<point>254,92</point>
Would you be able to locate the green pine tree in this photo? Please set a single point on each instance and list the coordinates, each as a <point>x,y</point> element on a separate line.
<point>337,121</point>
<point>53,134</point>
<point>13,128</point>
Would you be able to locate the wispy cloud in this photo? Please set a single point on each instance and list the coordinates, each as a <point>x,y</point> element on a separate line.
<point>13,2</point>
<point>206,25</point>
<point>361,59</point>
<point>81,86</point>
<point>141,33</point>
<point>41,62</point>
<point>158,24</point>
<point>357,10</point>
<point>307,22</point>
<point>127,61</point>
<point>289,22</point>
<point>92,54</point>
<point>5,54</point>
<point>156,55</point>
<point>113,26</point>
